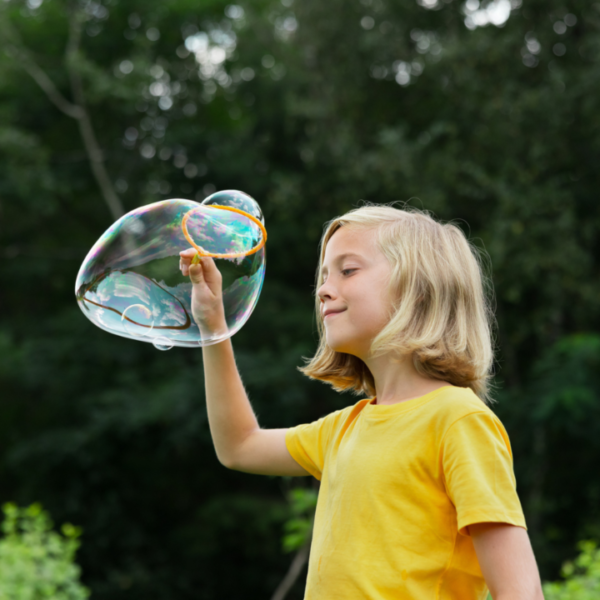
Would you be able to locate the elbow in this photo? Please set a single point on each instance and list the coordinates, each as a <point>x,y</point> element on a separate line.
<point>229,461</point>
<point>236,456</point>
<point>226,461</point>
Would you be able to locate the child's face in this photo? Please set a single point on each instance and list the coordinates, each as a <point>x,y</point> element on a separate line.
<point>355,301</point>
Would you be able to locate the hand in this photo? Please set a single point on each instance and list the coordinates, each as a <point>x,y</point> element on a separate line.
<point>207,292</point>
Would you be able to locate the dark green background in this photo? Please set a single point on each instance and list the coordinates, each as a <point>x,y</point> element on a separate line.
<point>111,434</point>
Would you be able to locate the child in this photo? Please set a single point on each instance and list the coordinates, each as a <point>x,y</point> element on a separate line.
<point>417,496</point>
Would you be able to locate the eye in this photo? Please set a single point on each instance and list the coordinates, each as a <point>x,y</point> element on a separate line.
<point>346,272</point>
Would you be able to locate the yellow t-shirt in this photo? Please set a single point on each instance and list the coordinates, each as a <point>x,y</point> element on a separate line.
<point>399,486</point>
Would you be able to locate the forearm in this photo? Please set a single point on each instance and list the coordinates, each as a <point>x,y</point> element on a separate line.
<point>230,414</point>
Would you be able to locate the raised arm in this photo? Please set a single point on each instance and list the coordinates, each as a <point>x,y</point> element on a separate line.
<point>239,441</point>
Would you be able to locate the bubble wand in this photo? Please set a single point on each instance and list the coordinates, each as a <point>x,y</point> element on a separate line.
<point>202,252</point>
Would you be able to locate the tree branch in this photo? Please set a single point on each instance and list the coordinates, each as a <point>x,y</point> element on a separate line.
<point>77,110</point>
<point>293,572</point>
<point>40,77</point>
<point>86,130</point>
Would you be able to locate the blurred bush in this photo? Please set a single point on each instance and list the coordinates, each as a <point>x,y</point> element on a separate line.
<point>35,561</point>
<point>582,577</point>
<point>298,529</point>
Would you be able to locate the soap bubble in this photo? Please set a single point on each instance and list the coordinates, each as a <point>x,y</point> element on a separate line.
<point>162,343</point>
<point>137,320</point>
<point>130,283</point>
<point>237,200</point>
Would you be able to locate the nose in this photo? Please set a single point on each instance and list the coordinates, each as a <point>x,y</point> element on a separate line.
<point>326,292</point>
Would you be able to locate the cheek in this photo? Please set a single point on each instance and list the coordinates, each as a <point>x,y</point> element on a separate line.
<point>372,302</point>
<point>376,316</point>
<point>364,320</point>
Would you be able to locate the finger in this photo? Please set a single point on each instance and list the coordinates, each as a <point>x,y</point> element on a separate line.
<point>186,258</point>
<point>212,275</point>
<point>209,265</point>
<point>188,252</point>
<point>196,274</point>
<point>184,266</point>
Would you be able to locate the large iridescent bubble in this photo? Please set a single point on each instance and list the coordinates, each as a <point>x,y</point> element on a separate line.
<point>130,283</point>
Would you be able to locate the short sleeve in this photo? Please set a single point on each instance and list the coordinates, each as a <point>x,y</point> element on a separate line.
<point>478,471</point>
<point>308,444</point>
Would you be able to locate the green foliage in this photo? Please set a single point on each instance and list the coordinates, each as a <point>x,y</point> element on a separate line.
<point>35,561</point>
<point>298,529</point>
<point>582,577</point>
<point>559,406</point>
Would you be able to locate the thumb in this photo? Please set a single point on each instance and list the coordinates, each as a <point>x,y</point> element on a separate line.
<point>196,274</point>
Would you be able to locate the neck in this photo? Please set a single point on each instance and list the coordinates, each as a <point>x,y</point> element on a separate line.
<point>397,380</point>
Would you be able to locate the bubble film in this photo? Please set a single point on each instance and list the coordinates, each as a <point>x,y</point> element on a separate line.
<point>130,283</point>
<point>235,199</point>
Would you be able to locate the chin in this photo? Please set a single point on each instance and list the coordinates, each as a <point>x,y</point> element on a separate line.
<point>342,346</point>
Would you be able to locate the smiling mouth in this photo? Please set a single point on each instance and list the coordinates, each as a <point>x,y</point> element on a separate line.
<point>332,313</point>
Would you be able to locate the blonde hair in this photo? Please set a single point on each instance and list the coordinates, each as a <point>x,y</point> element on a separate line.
<point>441,311</point>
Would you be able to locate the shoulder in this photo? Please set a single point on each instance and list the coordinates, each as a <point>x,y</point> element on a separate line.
<point>337,419</point>
<point>345,415</point>
<point>456,404</point>
<point>463,416</point>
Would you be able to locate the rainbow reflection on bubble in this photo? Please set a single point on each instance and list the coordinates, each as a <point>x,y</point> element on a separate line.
<point>130,283</point>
